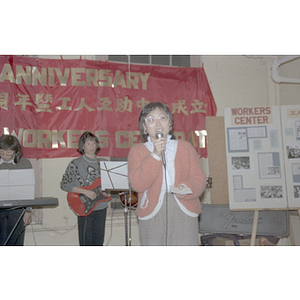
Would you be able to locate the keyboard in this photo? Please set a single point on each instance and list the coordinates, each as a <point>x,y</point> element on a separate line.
<point>37,202</point>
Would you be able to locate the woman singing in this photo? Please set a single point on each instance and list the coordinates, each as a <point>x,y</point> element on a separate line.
<point>165,218</point>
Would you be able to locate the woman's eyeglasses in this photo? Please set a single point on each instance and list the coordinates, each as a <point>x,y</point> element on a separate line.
<point>151,120</point>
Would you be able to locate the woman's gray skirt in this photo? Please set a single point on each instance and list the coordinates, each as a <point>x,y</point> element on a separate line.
<point>169,227</point>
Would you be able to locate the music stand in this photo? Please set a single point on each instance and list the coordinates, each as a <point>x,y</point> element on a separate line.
<point>114,177</point>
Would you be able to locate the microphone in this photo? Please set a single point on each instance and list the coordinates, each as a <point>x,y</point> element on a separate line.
<point>159,135</point>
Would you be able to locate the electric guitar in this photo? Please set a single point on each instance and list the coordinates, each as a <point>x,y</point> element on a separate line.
<point>81,204</point>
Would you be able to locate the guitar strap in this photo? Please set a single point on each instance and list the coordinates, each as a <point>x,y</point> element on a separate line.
<point>98,162</point>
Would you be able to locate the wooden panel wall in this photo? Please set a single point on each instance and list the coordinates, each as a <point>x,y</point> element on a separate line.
<point>216,149</point>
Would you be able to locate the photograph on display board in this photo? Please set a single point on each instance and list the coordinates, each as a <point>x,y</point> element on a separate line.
<point>297,127</point>
<point>245,195</point>
<point>297,192</point>
<point>296,180</point>
<point>269,165</point>
<point>293,151</point>
<point>296,172</point>
<point>237,140</point>
<point>240,163</point>
<point>271,191</point>
<point>257,132</point>
<point>242,194</point>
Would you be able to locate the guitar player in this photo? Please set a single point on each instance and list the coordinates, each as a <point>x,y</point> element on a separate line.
<point>82,172</point>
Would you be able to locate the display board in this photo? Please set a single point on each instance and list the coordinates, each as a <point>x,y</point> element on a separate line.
<point>255,162</point>
<point>290,116</point>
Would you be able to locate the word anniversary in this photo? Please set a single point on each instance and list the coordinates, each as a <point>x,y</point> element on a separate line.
<point>73,77</point>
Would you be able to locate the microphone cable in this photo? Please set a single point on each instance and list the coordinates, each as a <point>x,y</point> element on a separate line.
<point>158,135</point>
<point>165,175</point>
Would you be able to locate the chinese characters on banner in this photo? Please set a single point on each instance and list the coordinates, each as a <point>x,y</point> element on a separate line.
<point>48,103</point>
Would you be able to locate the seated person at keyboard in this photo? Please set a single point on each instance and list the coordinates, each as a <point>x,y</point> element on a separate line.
<point>11,158</point>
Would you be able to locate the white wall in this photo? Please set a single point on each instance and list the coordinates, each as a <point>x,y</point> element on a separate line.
<point>234,80</point>
<point>240,80</point>
<point>289,94</point>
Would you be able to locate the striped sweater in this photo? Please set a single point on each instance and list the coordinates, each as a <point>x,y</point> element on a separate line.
<point>145,172</point>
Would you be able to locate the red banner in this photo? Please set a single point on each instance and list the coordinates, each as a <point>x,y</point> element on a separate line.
<point>48,103</point>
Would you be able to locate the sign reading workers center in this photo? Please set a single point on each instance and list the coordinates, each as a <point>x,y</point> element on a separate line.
<point>48,103</point>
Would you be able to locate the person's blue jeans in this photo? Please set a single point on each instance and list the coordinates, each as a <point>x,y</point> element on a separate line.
<point>91,229</point>
<point>8,219</point>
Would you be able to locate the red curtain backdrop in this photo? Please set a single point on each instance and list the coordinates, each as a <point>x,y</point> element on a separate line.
<point>48,103</point>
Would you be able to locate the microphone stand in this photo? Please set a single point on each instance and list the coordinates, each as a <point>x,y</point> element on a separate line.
<point>15,226</point>
<point>125,220</point>
<point>127,227</point>
<point>129,239</point>
<point>159,135</point>
<point>112,178</point>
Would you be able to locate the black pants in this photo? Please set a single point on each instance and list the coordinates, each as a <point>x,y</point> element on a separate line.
<point>8,219</point>
<point>91,228</point>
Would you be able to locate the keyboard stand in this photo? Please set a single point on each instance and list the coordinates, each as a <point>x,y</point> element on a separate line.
<point>38,202</point>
